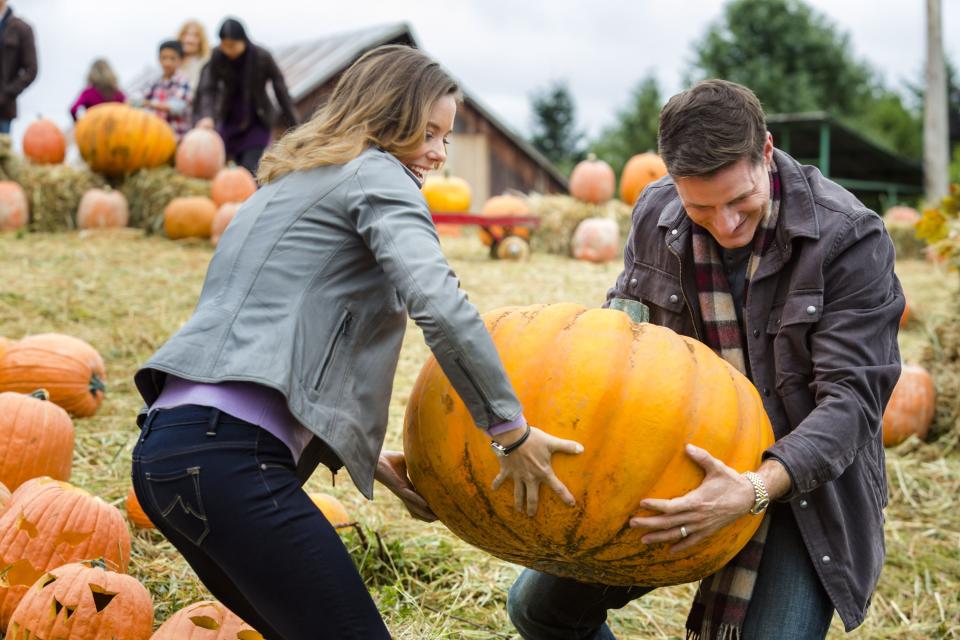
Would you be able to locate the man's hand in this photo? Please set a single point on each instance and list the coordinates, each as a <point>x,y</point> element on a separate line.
<point>392,473</point>
<point>529,465</point>
<point>205,123</point>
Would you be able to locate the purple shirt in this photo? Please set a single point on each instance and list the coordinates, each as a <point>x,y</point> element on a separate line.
<point>91,97</point>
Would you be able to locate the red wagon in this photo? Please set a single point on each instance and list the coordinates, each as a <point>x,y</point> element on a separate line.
<point>507,242</point>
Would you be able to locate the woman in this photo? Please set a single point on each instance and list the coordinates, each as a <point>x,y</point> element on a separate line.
<point>232,96</point>
<point>196,51</point>
<point>101,87</point>
<point>289,358</point>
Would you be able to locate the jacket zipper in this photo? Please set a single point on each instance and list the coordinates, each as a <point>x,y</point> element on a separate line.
<point>491,420</point>
<point>686,303</point>
<point>341,333</point>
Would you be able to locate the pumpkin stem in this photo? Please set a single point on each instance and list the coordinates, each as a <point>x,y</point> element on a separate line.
<point>96,384</point>
<point>40,394</point>
<point>637,311</point>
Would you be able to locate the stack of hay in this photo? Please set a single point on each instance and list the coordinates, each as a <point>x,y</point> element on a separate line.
<point>560,215</point>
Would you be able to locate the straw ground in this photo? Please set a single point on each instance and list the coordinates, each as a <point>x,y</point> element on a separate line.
<point>126,293</point>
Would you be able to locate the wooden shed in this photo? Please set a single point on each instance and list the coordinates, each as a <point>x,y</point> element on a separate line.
<point>484,151</point>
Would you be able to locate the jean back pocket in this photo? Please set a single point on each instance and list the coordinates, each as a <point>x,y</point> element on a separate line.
<point>177,501</point>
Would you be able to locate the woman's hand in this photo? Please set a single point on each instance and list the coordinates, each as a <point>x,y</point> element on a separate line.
<point>722,497</point>
<point>529,465</point>
<point>392,473</point>
<point>205,123</point>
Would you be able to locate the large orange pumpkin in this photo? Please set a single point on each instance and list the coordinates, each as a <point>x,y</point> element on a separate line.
<point>596,240</point>
<point>504,205</point>
<point>206,620</point>
<point>201,154</point>
<point>911,406</point>
<point>5,343</point>
<point>68,368</point>
<point>4,498</point>
<point>36,439</point>
<point>640,170</point>
<point>189,217</point>
<point>83,601</point>
<point>14,211</point>
<point>232,184</point>
<point>116,139</point>
<point>44,143</point>
<point>222,220</point>
<point>332,509</point>
<point>50,523</point>
<point>592,181</point>
<point>634,395</point>
<point>102,209</point>
<point>135,513</point>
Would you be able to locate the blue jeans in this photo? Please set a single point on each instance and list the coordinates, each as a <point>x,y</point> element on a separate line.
<point>5,126</point>
<point>788,602</point>
<point>223,491</point>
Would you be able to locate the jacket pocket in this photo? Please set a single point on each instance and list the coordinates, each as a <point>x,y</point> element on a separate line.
<point>176,500</point>
<point>343,330</point>
<point>789,327</point>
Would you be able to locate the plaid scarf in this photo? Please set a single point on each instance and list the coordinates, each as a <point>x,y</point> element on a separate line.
<point>720,605</point>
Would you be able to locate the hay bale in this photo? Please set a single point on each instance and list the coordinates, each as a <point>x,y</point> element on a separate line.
<point>905,241</point>
<point>10,163</point>
<point>942,359</point>
<point>560,215</point>
<point>149,191</point>
<point>54,192</point>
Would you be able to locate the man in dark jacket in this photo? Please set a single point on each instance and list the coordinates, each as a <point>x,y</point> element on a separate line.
<point>18,63</point>
<point>789,278</point>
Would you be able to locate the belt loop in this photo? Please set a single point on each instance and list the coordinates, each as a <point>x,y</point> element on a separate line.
<point>151,416</point>
<point>212,424</point>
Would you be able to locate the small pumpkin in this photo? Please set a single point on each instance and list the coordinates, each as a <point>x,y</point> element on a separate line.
<point>911,406</point>
<point>446,194</point>
<point>44,142</point>
<point>201,154</point>
<point>332,509</point>
<point>232,184</point>
<point>102,209</point>
<point>69,369</point>
<point>624,390</point>
<point>504,205</point>
<point>596,240</point>
<point>205,620</point>
<point>14,211</point>
<point>640,170</point>
<point>222,220</point>
<point>83,601</point>
<point>50,523</point>
<point>135,513</point>
<point>116,139</point>
<point>189,217</point>
<point>902,215</point>
<point>592,181</point>
<point>905,316</point>
<point>36,439</point>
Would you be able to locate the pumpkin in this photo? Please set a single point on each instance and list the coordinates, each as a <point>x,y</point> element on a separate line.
<point>14,212</point>
<point>115,139</point>
<point>505,205</point>
<point>135,513</point>
<point>905,316</point>
<point>4,498</point>
<point>189,217</point>
<point>902,215</point>
<point>101,209</point>
<point>596,240</point>
<point>221,220</point>
<point>83,601</point>
<point>50,523</point>
<point>68,368</point>
<point>592,181</point>
<point>206,620</point>
<point>36,439</point>
<point>201,154</point>
<point>332,509</point>
<point>911,406</point>
<point>232,184</point>
<point>446,194</point>
<point>5,343</point>
<point>44,142</point>
<point>634,394</point>
<point>640,170</point>
<point>513,248</point>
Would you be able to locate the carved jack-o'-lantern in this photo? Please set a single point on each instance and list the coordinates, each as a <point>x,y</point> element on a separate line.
<point>83,601</point>
<point>50,523</point>
<point>207,620</point>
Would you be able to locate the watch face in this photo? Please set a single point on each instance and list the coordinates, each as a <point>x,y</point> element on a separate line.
<point>498,449</point>
<point>761,506</point>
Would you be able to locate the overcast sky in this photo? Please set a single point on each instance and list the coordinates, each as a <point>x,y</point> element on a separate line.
<point>501,50</point>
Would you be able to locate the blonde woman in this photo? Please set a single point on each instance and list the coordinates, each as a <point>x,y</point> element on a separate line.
<point>101,87</point>
<point>289,358</point>
<point>196,51</point>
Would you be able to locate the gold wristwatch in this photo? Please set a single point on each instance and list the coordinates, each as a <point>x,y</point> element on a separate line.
<point>761,497</point>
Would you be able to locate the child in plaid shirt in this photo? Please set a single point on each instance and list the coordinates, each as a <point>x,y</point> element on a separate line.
<point>169,97</point>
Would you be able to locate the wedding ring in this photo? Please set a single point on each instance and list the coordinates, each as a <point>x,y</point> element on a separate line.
<point>683,532</point>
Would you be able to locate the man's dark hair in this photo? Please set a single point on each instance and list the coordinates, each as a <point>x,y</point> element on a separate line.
<point>173,45</point>
<point>709,127</point>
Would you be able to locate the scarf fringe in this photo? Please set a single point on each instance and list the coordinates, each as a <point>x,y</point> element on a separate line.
<point>724,632</point>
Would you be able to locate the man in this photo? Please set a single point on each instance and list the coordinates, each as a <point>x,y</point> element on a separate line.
<point>790,279</point>
<point>18,63</point>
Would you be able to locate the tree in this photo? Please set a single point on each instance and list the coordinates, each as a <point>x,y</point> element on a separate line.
<point>936,133</point>
<point>554,126</point>
<point>635,128</point>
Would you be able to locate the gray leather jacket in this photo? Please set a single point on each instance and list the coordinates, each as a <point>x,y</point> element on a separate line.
<point>308,293</point>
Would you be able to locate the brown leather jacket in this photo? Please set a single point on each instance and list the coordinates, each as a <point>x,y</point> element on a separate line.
<point>18,64</point>
<point>821,321</point>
